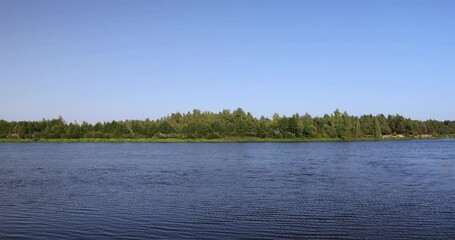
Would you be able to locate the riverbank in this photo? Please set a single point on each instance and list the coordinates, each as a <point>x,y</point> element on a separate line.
<point>215,140</point>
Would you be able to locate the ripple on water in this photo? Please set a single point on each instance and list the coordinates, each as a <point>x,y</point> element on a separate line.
<point>360,190</point>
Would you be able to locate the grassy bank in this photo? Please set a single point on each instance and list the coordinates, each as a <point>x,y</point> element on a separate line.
<point>171,140</point>
<point>202,140</point>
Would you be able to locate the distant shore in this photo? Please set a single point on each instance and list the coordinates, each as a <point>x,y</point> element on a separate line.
<point>206,140</point>
<point>230,126</point>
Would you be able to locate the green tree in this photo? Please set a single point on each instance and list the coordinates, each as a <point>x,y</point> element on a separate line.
<point>73,131</point>
<point>308,129</point>
<point>164,127</point>
<point>57,128</point>
<point>198,124</point>
<point>377,129</point>
<point>357,128</point>
<point>5,129</point>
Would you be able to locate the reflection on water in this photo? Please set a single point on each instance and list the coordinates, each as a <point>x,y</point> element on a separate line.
<point>354,190</point>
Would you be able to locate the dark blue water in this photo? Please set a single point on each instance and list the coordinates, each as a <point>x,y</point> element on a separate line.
<point>352,190</point>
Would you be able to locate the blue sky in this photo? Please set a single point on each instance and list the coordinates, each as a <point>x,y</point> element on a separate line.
<point>113,60</point>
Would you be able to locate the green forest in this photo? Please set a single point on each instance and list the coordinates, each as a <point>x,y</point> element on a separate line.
<point>235,124</point>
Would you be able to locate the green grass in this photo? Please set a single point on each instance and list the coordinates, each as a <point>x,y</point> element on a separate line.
<point>203,140</point>
<point>171,140</point>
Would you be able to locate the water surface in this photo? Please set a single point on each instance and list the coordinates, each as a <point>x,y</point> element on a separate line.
<point>340,190</point>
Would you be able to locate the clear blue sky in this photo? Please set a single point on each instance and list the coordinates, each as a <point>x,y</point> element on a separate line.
<point>112,60</point>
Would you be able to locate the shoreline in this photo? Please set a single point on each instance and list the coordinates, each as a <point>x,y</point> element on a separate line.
<point>206,140</point>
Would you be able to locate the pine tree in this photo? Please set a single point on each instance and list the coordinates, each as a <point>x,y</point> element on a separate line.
<point>377,129</point>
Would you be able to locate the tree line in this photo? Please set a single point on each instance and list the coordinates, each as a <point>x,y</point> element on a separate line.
<point>237,123</point>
